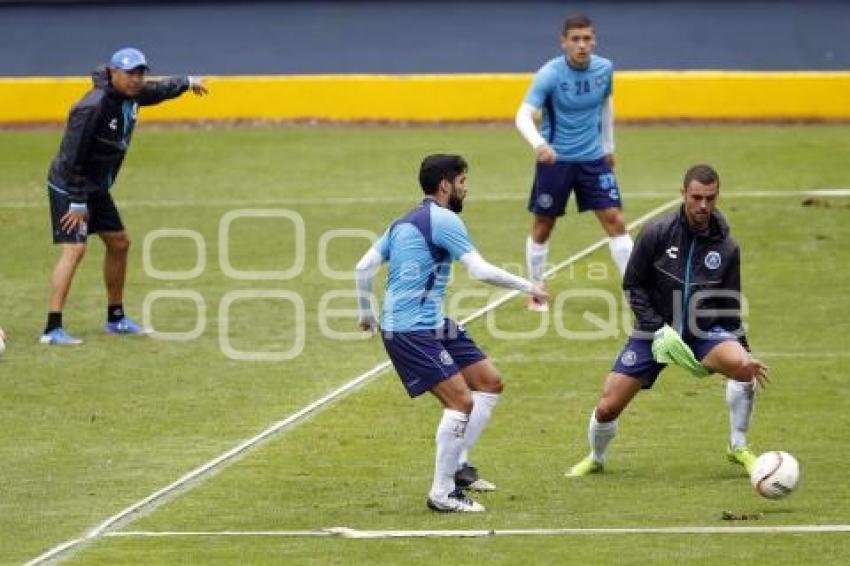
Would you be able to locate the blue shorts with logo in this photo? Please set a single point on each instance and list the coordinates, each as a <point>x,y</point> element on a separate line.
<point>103,216</point>
<point>424,358</point>
<point>635,359</point>
<point>593,181</point>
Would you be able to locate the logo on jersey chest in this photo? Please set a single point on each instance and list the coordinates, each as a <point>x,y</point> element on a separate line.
<point>712,260</point>
<point>113,124</point>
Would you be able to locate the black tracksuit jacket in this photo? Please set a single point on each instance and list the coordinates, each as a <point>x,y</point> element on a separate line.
<point>673,269</point>
<point>98,134</point>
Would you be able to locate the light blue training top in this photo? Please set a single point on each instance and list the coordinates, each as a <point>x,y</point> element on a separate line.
<point>571,100</point>
<point>420,248</point>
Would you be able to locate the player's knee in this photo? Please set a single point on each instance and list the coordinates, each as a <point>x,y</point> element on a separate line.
<point>495,385</point>
<point>606,412</point>
<point>614,223</point>
<point>74,252</point>
<point>119,244</point>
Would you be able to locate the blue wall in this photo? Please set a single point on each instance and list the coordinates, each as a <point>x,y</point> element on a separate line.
<point>405,37</point>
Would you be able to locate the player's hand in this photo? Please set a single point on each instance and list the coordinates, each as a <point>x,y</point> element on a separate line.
<point>369,324</point>
<point>196,84</point>
<point>540,293</point>
<point>545,154</point>
<point>610,160</point>
<point>72,220</point>
<point>756,371</point>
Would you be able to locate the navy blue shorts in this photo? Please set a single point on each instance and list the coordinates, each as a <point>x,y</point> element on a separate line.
<point>593,181</point>
<point>103,216</point>
<point>424,358</point>
<point>635,359</point>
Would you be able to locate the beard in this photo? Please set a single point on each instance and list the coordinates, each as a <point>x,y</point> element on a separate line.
<point>455,204</point>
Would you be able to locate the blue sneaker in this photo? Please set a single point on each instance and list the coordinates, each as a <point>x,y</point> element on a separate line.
<point>125,325</point>
<point>58,337</point>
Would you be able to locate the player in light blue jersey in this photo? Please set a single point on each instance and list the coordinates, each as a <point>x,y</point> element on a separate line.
<point>429,351</point>
<point>574,148</point>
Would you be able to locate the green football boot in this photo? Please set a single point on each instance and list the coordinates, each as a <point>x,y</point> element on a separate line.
<point>742,456</point>
<point>584,468</point>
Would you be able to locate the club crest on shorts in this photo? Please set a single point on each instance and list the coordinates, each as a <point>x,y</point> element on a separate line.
<point>629,358</point>
<point>544,200</point>
<point>712,260</point>
<point>446,359</point>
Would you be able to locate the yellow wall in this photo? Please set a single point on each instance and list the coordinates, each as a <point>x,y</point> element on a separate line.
<point>640,95</point>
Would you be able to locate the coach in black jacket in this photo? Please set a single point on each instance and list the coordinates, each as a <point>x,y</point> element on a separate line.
<point>684,272</point>
<point>93,147</point>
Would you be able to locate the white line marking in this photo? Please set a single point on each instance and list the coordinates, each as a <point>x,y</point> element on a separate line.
<point>346,532</point>
<point>198,475</point>
<point>353,201</point>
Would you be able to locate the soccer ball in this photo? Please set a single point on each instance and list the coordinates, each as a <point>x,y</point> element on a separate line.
<point>775,474</point>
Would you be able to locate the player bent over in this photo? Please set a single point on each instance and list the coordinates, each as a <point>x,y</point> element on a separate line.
<point>429,351</point>
<point>684,265</point>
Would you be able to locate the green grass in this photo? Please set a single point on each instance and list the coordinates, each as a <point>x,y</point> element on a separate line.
<point>89,431</point>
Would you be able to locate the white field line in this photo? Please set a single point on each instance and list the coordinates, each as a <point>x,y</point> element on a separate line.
<point>354,201</point>
<point>346,532</point>
<point>205,471</point>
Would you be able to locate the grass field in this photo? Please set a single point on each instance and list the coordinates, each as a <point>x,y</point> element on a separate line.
<point>86,432</point>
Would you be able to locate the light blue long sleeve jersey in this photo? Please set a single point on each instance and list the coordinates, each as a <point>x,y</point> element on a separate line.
<point>571,100</point>
<point>420,248</point>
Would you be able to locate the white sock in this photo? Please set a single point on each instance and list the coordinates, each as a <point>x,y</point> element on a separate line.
<point>482,407</point>
<point>450,441</point>
<point>599,435</point>
<point>535,259</point>
<point>621,249</point>
<point>739,398</point>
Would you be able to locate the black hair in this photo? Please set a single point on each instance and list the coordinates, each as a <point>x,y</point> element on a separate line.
<point>577,22</point>
<point>440,167</point>
<point>702,173</point>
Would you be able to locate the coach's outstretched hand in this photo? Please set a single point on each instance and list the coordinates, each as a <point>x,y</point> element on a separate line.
<point>196,84</point>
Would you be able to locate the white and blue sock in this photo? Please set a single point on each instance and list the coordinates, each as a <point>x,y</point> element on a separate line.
<point>599,435</point>
<point>450,443</point>
<point>535,259</point>
<point>740,397</point>
<point>482,408</point>
<point>621,249</point>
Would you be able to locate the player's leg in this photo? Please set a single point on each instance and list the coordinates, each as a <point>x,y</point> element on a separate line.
<point>635,369</point>
<point>424,365</point>
<point>73,250</point>
<point>620,243</point>
<point>484,381</point>
<point>727,357</point>
<point>115,265</point>
<point>486,385</point>
<point>117,242</point>
<point>456,398</point>
<point>597,190</point>
<point>548,201</point>
<point>617,393</point>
